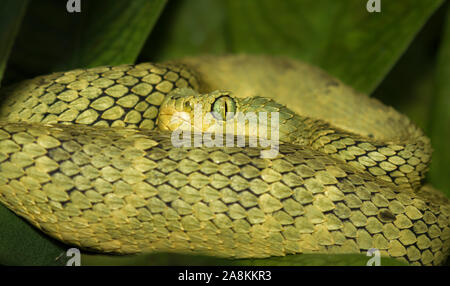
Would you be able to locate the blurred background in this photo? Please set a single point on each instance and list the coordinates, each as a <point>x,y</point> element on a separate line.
<point>400,55</point>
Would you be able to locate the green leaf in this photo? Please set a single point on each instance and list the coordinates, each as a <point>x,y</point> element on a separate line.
<point>409,86</point>
<point>114,32</point>
<point>22,244</point>
<point>187,28</point>
<point>439,129</point>
<point>318,260</point>
<point>340,36</point>
<point>199,260</point>
<point>416,86</point>
<point>11,14</point>
<point>103,33</point>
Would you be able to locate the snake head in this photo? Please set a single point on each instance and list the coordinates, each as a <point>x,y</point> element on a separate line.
<point>186,109</point>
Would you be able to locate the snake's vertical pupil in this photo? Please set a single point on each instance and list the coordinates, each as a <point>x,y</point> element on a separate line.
<point>222,106</point>
<point>187,106</point>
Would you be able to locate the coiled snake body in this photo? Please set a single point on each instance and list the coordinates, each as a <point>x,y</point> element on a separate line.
<point>83,159</point>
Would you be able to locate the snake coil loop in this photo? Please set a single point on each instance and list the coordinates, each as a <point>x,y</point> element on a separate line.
<point>86,156</point>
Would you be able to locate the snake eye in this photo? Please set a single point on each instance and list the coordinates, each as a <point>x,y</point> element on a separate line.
<point>187,105</point>
<point>221,106</point>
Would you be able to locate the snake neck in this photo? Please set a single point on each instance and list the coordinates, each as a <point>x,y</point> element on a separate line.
<point>402,163</point>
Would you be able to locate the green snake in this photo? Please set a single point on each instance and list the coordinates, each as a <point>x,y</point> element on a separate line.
<point>87,156</point>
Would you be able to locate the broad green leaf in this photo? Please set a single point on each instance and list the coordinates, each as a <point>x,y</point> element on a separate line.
<point>416,87</point>
<point>114,32</point>
<point>340,36</point>
<point>22,244</point>
<point>191,260</point>
<point>187,27</point>
<point>439,129</point>
<point>11,14</point>
<point>409,86</point>
<point>103,33</point>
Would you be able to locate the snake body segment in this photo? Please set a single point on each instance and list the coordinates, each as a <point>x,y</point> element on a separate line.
<point>82,159</point>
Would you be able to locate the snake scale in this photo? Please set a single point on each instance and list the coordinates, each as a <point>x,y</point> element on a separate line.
<point>82,158</point>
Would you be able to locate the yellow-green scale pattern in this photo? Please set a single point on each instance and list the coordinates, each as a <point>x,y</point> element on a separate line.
<point>128,190</point>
